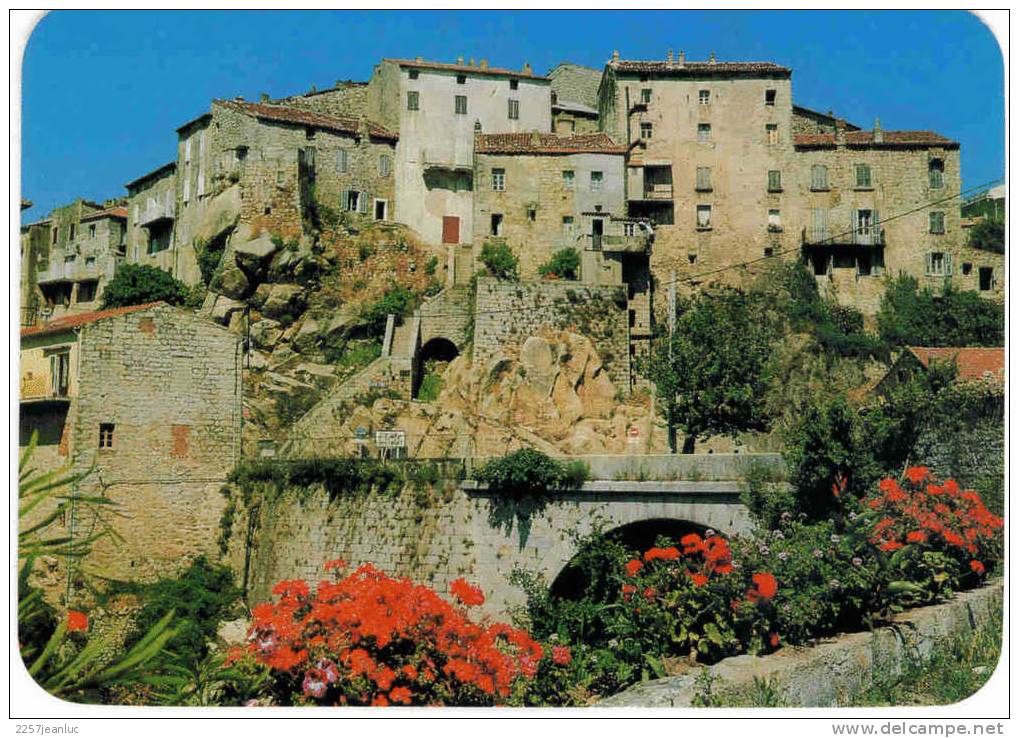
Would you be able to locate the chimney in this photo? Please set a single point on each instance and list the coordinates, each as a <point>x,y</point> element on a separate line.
<point>264,97</point>
<point>527,68</point>
<point>668,57</point>
<point>682,58</point>
<point>879,136</point>
<point>313,89</point>
<point>615,55</point>
<point>484,63</point>
<point>460,60</point>
<point>711,59</point>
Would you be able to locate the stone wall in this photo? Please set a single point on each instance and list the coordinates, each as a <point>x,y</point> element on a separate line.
<point>507,313</point>
<point>346,98</point>
<point>152,208</point>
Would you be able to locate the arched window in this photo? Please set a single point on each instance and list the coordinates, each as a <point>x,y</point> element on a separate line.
<point>936,174</point>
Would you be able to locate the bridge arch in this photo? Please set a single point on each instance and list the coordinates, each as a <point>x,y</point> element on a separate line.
<point>437,348</point>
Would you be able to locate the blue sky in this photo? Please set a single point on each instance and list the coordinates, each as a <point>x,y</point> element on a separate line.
<point>104,90</point>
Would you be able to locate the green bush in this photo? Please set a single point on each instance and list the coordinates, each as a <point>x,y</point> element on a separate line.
<point>290,407</point>
<point>528,471</point>
<point>499,260</point>
<point>397,300</point>
<point>209,255</point>
<point>338,476</point>
<point>988,235</point>
<point>911,316</point>
<point>202,596</point>
<point>137,284</point>
<point>564,264</point>
<point>431,386</point>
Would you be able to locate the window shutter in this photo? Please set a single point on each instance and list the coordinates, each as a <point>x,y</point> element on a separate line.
<point>856,223</point>
<point>362,202</point>
<point>344,199</point>
<point>929,267</point>
<point>876,228</point>
<point>948,265</point>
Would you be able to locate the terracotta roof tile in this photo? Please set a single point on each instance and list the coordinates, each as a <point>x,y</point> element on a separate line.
<point>866,138</point>
<point>302,117</point>
<point>115,212</point>
<point>974,363</point>
<point>545,143</point>
<point>67,322</point>
<point>466,68</point>
<point>697,68</point>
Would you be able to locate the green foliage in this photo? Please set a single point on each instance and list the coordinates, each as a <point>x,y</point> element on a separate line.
<point>766,497</point>
<point>528,471</point>
<point>431,265</point>
<point>397,300</point>
<point>291,407</point>
<point>137,284</point>
<point>712,377</point>
<point>209,256</point>
<point>431,387</point>
<point>499,260</point>
<point>988,235</point>
<point>911,316</point>
<point>351,356</point>
<point>564,264</point>
<point>202,595</point>
<point>339,476</point>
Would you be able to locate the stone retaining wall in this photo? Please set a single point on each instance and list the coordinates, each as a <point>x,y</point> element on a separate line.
<point>833,672</point>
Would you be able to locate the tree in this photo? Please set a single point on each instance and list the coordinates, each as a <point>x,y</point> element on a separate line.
<point>988,235</point>
<point>711,377</point>
<point>137,284</point>
<point>499,260</point>
<point>563,264</point>
<point>911,316</point>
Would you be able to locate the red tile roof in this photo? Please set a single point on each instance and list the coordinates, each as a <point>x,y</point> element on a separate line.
<point>698,68</point>
<point>466,68</point>
<point>302,117</point>
<point>545,143</point>
<point>974,363</point>
<point>866,138</point>
<point>115,212</point>
<point>68,322</point>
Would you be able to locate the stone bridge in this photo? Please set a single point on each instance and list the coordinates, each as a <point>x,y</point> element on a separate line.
<point>464,530</point>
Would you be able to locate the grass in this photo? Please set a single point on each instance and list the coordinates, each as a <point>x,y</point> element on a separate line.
<point>955,672</point>
<point>431,386</point>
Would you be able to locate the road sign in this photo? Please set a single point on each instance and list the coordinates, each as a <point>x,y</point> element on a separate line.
<point>390,439</point>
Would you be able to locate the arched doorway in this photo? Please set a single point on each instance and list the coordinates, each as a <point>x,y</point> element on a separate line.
<point>589,570</point>
<point>431,361</point>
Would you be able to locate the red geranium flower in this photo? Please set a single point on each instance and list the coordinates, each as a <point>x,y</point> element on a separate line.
<point>633,566</point>
<point>561,655</point>
<point>77,620</point>
<point>773,639</point>
<point>917,474</point>
<point>916,536</point>
<point>766,584</point>
<point>466,592</point>
<point>400,695</point>
<point>977,567</point>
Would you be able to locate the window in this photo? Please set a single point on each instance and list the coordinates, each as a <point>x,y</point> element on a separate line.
<point>646,130</point>
<point>187,150</point>
<point>703,179</point>
<point>967,268</point>
<point>863,176</point>
<point>986,278</point>
<point>281,177</point>
<point>939,264</point>
<point>568,179</point>
<point>414,74</point>
<point>70,258</point>
<point>461,105</point>
<point>569,229</point>
<point>774,180</point>
<point>106,435</point>
<point>692,258</point>
<point>703,216</point>
<point>703,132</point>
<point>87,291</point>
<point>514,84</point>
<point>514,109</point>
<point>629,229</point>
<point>90,261</point>
<point>596,181</point>
<point>771,132</point>
<point>819,177</point>
<point>769,97</point>
<point>60,372</point>
<point>774,220</point>
<point>937,222</point>
<point>73,231</point>
<point>241,153</point>
<point>769,251</point>
<point>499,180</point>
<point>461,79</point>
<point>532,213</point>
<point>412,100</point>
<point>645,95</point>
<point>53,234</point>
<point>704,97</point>
<point>341,164</point>
<point>495,228</point>
<point>936,174</point>
<point>92,230</point>
<point>384,165</point>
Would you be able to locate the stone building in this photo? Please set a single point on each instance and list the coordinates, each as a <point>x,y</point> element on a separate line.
<point>152,210</point>
<point>147,400</point>
<point>73,254</point>
<point>346,99</point>
<point>574,98</point>
<point>436,108</point>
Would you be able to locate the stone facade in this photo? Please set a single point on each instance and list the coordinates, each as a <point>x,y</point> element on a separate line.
<point>508,312</point>
<point>346,99</point>
<point>152,210</point>
<point>574,98</point>
<point>147,401</point>
<point>436,109</point>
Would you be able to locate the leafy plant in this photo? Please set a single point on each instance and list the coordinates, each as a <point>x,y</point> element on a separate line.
<point>528,471</point>
<point>398,300</point>
<point>137,284</point>
<point>209,255</point>
<point>431,386</point>
<point>988,235</point>
<point>564,264</point>
<point>499,260</point>
<point>911,316</point>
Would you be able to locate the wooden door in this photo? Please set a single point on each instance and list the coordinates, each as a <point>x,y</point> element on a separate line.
<point>450,229</point>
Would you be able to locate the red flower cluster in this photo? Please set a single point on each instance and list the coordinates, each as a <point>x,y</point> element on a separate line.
<point>924,512</point>
<point>371,639</point>
<point>765,587</point>
<point>77,620</point>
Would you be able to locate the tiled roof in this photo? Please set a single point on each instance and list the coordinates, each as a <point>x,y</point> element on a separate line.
<point>115,212</point>
<point>974,363</point>
<point>466,68</point>
<point>302,117</point>
<point>68,322</point>
<point>866,138</point>
<point>697,68</point>
<point>545,143</point>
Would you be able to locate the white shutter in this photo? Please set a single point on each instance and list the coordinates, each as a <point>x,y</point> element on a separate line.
<point>929,267</point>
<point>344,199</point>
<point>362,202</point>
<point>948,265</point>
<point>187,189</point>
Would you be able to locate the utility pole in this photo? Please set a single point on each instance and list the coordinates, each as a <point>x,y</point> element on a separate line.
<point>672,329</point>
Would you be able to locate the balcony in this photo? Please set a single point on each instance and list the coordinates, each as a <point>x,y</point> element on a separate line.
<point>72,271</point>
<point>157,210</point>
<point>860,236</point>
<point>39,388</point>
<point>655,193</point>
